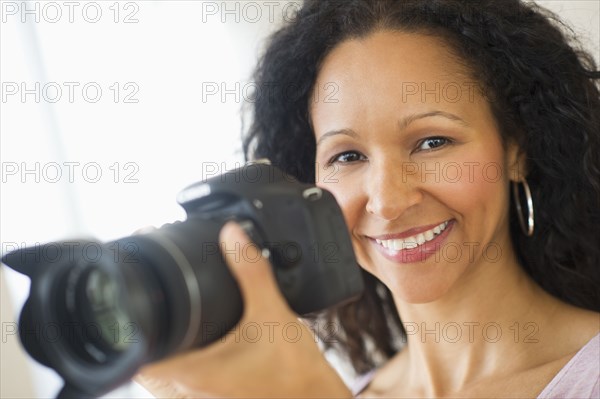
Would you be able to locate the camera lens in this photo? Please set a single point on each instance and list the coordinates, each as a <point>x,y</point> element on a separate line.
<point>107,310</point>
<point>98,307</point>
<point>151,290</point>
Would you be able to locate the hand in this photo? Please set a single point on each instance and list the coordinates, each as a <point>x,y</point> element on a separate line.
<point>260,366</point>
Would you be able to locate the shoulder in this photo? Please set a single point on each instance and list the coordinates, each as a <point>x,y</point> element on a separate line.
<point>580,377</point>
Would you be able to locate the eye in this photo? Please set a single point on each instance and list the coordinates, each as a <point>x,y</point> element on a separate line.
<point>432,143</point>
<point>346,157</point>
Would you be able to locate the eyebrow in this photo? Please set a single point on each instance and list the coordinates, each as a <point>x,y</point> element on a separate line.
<point>402,123</point>
<point>407,120</point>
<point>347,132</point>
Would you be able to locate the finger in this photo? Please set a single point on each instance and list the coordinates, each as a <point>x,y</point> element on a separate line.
<point>250,268</point>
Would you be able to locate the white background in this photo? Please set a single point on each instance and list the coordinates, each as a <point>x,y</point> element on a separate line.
<point>168,133</point>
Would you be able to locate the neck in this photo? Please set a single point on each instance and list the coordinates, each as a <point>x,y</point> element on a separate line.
<point>483,325</point>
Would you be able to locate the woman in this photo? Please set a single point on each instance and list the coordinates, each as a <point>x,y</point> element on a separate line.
<point>461,140</point>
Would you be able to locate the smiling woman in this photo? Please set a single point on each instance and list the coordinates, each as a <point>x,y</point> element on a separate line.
<point>462,144</point>
<point>381,200</point>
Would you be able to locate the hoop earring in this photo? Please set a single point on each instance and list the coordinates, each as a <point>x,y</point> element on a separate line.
<point>528,230</point>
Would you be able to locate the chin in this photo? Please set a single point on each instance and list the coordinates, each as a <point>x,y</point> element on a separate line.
<point>414,286</point>
<point>417,297</point>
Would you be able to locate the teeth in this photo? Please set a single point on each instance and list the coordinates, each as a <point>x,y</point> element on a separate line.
<point>410,245</point>
<point>429,235</point>
<point>415,241</point>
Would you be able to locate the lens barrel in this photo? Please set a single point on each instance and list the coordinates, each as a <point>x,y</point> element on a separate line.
<point>155,286</point>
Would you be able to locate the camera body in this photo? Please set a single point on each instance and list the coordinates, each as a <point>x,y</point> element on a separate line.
<point>148,296</point>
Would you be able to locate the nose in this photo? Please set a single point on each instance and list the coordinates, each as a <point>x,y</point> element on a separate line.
<point>390,192</point>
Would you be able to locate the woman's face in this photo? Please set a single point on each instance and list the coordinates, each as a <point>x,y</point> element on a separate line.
<point>407,144</point>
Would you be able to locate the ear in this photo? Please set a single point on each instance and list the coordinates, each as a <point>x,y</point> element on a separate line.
<point>516,161</point>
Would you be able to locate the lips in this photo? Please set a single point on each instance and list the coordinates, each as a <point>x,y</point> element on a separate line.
<point>413,245</point>
<point>414,240</point>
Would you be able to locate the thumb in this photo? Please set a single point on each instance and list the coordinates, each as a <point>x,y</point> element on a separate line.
<point>250,268</point>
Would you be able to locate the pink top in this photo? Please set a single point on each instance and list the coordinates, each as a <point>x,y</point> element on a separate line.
<point>580,378</point>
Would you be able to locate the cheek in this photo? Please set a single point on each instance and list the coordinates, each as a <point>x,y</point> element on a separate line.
<point>475,188</point>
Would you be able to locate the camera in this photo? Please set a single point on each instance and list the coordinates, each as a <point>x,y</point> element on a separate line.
<point>98,312</point>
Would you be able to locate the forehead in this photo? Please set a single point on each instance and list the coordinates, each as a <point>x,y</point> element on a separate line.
<point>402,54</point>
<point>406,70</point>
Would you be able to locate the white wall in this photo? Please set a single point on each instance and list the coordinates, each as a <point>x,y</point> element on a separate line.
<point>161,53</point>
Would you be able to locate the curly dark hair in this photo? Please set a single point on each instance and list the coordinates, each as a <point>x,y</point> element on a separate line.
<point>545,97</point>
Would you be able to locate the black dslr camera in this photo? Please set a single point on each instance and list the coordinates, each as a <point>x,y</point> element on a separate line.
<point>97,312</point>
